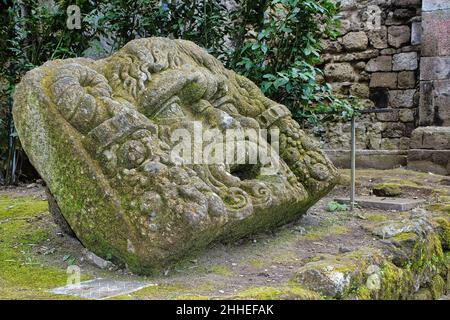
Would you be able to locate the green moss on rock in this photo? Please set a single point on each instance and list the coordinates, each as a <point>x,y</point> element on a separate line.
<point>387,190</point>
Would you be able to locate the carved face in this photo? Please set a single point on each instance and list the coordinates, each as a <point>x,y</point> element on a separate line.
<point>126,114</point>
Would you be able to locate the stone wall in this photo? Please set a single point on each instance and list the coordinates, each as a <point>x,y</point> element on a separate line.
<point>376,59</point>
<point>430,143</point>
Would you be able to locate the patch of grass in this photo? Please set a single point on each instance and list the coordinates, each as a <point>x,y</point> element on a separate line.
<point>325,232</point>
<point>220,270</point>
<point>376,217</point>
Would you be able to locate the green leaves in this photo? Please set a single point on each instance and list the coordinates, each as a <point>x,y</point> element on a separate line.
<point>334,206</point>
<point>283,57</point>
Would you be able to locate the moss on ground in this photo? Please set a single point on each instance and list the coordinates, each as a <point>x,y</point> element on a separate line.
<point>387,190</point>
<point>273,293</point>
<point>21,275</point>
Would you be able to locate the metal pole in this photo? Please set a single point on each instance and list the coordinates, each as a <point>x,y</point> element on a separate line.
<point>353,164</point>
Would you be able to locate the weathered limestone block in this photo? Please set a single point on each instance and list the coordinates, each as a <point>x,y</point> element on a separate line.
<point>103,133</point>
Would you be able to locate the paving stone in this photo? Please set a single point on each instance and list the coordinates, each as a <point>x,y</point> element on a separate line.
<point>100,288</point>
<point>398,204</point>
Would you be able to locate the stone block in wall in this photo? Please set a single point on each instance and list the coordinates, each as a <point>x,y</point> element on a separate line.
<point>330,46</point>
<point>360,90</point>
<point>390,144</point>
<point>442,102</point>
<point>404,143</point>
<point>393,129</point>
<point>339,72</point>
<point>405,3</point>
<point>350,57</point>
<point>405,61</point>
<point>434,68</point>
<point>381,63</point>
<point>383,80</point>
<point>436,33</point>
<point>401,98</point>
<point>416,33</point>
<point>432,5</point>
<point>426,108</point>
<point>406,80</point>
<point>406,115</point>
<point>433,138</point>
<point>400,16</point>
<point>355,41</point>
<point>378,38</point>
<point>399,36</point>
<point>388,117</point>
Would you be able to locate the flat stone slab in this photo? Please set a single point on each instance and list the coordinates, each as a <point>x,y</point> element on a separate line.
<point>100,288</point>
<point>399,204</point>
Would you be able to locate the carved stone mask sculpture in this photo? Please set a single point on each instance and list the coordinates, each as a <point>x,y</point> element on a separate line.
<point>102,135</point>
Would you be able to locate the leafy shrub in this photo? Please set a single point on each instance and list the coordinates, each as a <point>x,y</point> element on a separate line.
<point>276,43</point>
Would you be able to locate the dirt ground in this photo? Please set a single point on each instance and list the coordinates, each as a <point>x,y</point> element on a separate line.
<point>34,253</point>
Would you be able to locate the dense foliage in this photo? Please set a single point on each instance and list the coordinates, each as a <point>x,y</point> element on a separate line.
<point>276,43</point>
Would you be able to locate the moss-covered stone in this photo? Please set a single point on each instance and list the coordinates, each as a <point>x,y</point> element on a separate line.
<point>387,190</point>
